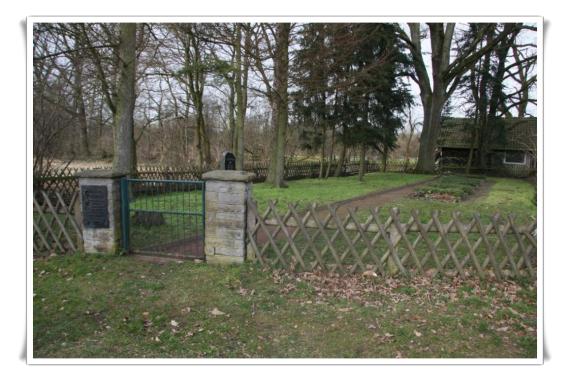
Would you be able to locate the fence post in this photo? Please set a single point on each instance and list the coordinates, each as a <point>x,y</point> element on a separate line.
<point>226,215</point>
<point>394,236</point>
<point>100,205</point>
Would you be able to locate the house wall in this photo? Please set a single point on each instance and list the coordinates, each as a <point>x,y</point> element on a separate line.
<point>456,159</point>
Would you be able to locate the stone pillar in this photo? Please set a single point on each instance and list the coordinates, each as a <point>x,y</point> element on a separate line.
<point>100,203</point>
<point>226,210</point>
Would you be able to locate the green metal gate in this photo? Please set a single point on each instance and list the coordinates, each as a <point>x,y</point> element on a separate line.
<point>163,217</point>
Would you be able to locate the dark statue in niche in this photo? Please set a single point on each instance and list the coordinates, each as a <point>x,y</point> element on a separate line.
<point>228,161</point>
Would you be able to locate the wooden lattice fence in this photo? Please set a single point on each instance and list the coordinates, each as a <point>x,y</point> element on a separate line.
<point>65,182</point>
<point>320,239</point>
<point>56,229</point>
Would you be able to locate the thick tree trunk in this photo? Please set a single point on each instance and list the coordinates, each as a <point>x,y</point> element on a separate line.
<point>280,84</point>
<point>241,98</point>
<point>430,131</point>
<point>124,160</point>
<point>273,150</point>
<point>342,157</point>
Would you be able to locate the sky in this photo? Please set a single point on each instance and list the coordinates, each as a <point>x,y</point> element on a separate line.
<point>525,36</point>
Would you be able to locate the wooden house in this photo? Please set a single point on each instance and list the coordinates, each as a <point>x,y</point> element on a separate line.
<point>512,150</point>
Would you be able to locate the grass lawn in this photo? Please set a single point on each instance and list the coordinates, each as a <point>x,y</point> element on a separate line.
<point>108,306</point>
<point>323,191</point>
<point>505,196</point>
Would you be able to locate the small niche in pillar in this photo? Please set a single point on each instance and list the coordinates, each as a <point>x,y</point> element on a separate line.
<point>228,161</point>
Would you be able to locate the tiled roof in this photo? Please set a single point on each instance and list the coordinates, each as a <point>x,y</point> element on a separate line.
<point>519,134</point>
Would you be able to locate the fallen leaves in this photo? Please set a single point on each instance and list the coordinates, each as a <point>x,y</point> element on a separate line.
<point>217,312</point>
<point>369,273</point>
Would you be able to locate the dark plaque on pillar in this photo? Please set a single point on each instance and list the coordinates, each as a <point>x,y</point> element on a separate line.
<point>229,161</point>
<point>95,206</point>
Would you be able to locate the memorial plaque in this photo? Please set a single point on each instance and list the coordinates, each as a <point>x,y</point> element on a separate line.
<point>229,161</point>
<point>95,206</point>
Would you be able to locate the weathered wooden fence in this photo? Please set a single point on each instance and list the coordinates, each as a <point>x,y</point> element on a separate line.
<point>56,229</point>
<point>320,239</point>
<point>64,181</point>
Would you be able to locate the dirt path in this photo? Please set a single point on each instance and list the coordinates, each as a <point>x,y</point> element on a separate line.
<point>372,199</point>
<point>481,191</point>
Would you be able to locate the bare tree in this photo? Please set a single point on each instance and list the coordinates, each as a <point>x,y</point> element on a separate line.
<point>446,75</point>
<point>124,160</point>
<point>272,43</point>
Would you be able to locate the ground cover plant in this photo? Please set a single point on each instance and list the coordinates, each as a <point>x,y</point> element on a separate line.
<point>451,188</point>
<point>109,306</point>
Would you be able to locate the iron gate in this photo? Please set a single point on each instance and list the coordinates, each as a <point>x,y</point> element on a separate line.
<point>163,217</point>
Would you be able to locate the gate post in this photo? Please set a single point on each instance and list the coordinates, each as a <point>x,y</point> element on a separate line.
<point>100,205</point>
<point>226,212</point>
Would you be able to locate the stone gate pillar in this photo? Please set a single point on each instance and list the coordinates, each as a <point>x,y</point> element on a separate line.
<point>226,211</point>
<point>100,205</point>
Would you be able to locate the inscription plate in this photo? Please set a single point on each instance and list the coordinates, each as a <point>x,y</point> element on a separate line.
<point>95,206</point>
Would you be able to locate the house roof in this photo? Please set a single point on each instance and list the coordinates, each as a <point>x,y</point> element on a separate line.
<point>517,134</point>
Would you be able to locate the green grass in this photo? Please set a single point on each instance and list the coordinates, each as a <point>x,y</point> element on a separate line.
<point>505,196</point>
<point>107,306</point>
<point>323,191</point>
<point>174,207</point>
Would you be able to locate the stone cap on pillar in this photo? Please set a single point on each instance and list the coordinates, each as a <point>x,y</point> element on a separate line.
<point>100,174</point>
<point>220,175</point>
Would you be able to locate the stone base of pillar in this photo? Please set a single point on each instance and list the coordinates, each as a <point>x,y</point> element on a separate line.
<point>226,211</point>
<point>100,206</point>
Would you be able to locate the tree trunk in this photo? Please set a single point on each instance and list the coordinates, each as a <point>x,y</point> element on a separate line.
<point>323,152</point>
<point>338,169</point>
<point>385,158</point>
<point>492,122</point>
<point>80,109</point>
<point>361,169</point>
<point>241,97</point>
<point>202,141</point>
<point>232,117</point>
<point>433,109</point>
<point>331,151</point>
<point>124,160</point>
<point>407,154</point>
<point>272,151</point>
<point>280,84</point>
